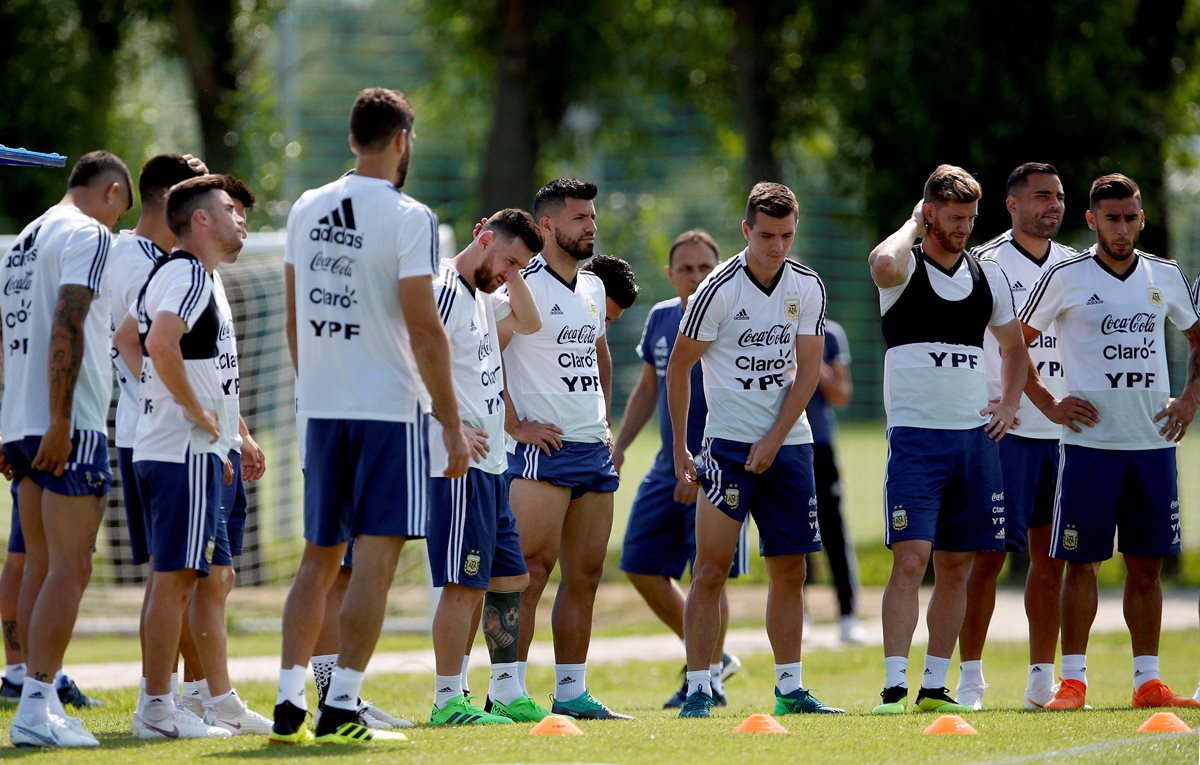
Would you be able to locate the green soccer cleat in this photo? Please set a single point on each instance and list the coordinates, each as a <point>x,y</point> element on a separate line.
<point>586,707</point>
<point>938,700</point>
<point>460,711</point>
<point>353,733</point>
<point>522,709</point>
<point>289,727</point>
<point>697,705</point>
<point>895,701</point>
<point>801,701</point>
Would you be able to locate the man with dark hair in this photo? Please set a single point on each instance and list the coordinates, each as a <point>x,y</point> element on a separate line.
<point>1028,454</point>
<point>559,383</point>
<point>371,357</point>
<point>943,495</point>
<point>1109,306</point>
<point>660,540</point>
<point>473,543</point>
<point>756,324</point>
<point>620,285</point>
<point>56,444</point>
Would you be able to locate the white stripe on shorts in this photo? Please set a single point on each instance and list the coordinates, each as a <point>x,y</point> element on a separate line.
<point>458,524</point>
<point>1056,518</point>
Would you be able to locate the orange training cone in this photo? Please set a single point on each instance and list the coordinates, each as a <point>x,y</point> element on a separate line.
<point>1163,722</point>
<point>950,724</point>
<point>555,725</point>
<point>760,724</point>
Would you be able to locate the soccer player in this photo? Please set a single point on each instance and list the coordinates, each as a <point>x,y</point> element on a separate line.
<point>943,494</point>
<point>755,323</point>
<point>1028,454</point>
<point>473,544</point>
<point>58,382</point>
<point>1109,306</point>
<point>558,386</point>
<point>367,342</point>
<point>183,434</point>
<point>620,285</point>
<point>660,539</point>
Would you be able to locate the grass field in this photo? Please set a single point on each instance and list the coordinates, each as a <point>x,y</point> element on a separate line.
<point>849,678</point>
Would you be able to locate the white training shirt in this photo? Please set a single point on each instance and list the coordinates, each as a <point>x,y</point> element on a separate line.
<point>470,318</point>
<point>1023,270</point>
<point>750,364</point>
<point>227,363</point>
<point>1112,340</point>
<point>164,433</point>
<point>552,374</point>
<point>63,246</point>
<point>916,392</point>
<point>350,242</point>
<point>129,264</point>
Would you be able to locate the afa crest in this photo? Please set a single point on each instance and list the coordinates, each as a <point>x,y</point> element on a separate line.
<point>732,497</point>
<point>1156,296</point>
<point>592,309</point>
<point>1070,539</point>
<point>471,563</point>
<point>791,309</point>
<point>899,518</point>
<point>209,549</point>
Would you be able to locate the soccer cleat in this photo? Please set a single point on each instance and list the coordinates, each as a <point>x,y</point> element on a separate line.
<point>54,733</point>
<point>893,701</point>
<point>10,693</point>
<point>938,700</point>
<point>70,695</point>
<point>233,715</point>
<point>1039,699</point>
<point>680,696</point>
<point>719,699</point>
<point>353,733</point>
<point>180,723</point>
<point>697,705</point>
<point>730,664</point>
<point>522,709</point>
<point>801,701</point>
<point>971,695</point>
<point>460,711</point>
<point>1071,694</point>
<point>1155,693</point>
<point>586,707</point>
<point>376,719</point>
<point>289,727</point>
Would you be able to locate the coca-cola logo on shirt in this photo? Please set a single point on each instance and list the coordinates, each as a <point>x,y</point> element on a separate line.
<point>780,334</point>
<point>339,265</point>
<point>574,335</point>
<point>1140,322</point>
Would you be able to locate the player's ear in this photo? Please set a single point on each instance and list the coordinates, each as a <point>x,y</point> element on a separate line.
<point>1010,203</point>
<point>486,238</point>
<point>1142,219</point>
<point>746,230</point>
<point>1091,220</point>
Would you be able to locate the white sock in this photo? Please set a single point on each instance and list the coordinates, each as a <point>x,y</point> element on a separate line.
<point>466,662</point>
<point>175,688</point>
<point>700,680</point>
<point>1041,679</point>
<point>570,681</point>
<point>445,688</point>
<point>141,702</point>
<point>212,701</point>
<point>788,678</point>
<point>1145,669</point>
<point>343,689</point>
<point>15,673</point>
<point>291,686</point>
<point>504,686</point>
<point>714,679</point>
<point>323,670</point>
<point>35,701</point>
<point>1075,667</point>
<point>192,690</point>
<point>56,705</point>
<point>970,673</point>
<point>158,708</point>
<point>522,667</point>
<point>935,672</point>
<point>895,670</point>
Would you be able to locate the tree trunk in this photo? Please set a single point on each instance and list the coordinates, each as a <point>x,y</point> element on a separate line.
<point>204,35</point>
<point>512,147</point>
<point>757,109</point>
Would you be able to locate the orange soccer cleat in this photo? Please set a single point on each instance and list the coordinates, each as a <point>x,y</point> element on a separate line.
<point>1071,694</point>
<point>1156,693</point>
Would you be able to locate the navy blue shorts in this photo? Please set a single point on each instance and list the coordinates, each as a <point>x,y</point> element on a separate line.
<point>135,509</point>
<point>87,472</point>
<point>365,477</point>
<point>184,499</point>
<point>944,487</point>
<point>1029,467</point>
<point>472,532</point>
<point>231,523</point>
<point>660,539</point>
<point>1106,492</point>
<point>782,500</point>
<point>16,540</point>
<point>581,467</point>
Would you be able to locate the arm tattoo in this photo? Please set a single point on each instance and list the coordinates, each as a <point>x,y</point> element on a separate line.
<point>66,346</point>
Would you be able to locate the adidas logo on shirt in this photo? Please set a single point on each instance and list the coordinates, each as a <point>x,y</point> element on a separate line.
<point>472,327</point>
<point>556,311</point>
<point>741,316</point>
<point>1094,300</point>
<point>1018,287</point>
<point>335,226</point>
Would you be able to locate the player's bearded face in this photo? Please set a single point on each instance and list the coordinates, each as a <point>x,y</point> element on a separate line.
<point>581,247</point>
<point>1040,205</point>
<point>1118,224</point>
<point>952,224</point>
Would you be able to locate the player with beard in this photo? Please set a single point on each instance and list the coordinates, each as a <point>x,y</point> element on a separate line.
<point>943,494</point>
<point>559,382</point>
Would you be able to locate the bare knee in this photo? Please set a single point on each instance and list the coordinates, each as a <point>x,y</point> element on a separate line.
<point>1142,572</point>
<point>710,575</point>
<point>987,566</point>
<point>788,571</point>
<point>908,565</point>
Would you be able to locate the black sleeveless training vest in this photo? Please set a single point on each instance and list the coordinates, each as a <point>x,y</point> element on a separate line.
<point>923,316</point>
<point>200,342</point>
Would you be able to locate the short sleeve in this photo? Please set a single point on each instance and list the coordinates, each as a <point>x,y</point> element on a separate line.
<point>181,287</point>
<point>1181,306</point>
<point>417,245</point>
<point>292,244</point>
<point>1003,308</point>
<point>812,306</point>
<point>500,304</point>
<point>645,349</point>
<point>85,256</point>
<point>1045,301</point>
<point>837,347</point>
<point>707,310</point>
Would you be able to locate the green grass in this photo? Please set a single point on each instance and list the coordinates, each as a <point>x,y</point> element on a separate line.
<point>848,678</point>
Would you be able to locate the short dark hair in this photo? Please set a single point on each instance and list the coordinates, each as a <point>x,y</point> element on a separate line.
<point>237,189</point>
<point>159,174</point>
<point>948,183</point>
<point>1112,186</point>
<point>512,223</point>
<point>377,115</point>
<point>617,276</point>
<point>694,236</point>
<point>1019,177</point>
<point>772,199</point>
<point>186,197</point>
<point>551,197</point>
<point>95,165</point>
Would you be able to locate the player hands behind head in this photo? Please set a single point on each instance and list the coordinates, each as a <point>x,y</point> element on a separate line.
<point>1118,476</point>
<point>1029,453</point>
<point>762,312</point>
<point>473,543</point>
<point>371,356</point>
<point>56,448</point>
<point>943,489</point>
<point>558,384</point>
